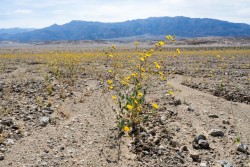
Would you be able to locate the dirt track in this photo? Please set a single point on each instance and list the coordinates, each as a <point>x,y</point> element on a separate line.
<point>85,136</point>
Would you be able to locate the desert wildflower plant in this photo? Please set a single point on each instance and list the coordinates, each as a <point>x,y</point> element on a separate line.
<point>127,81</point>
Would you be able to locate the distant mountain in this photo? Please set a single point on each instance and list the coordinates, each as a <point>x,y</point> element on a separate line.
<point>15,30</point>
<point>180,26</point>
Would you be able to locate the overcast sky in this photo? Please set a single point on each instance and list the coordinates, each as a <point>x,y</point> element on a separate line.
<point>43,13</point>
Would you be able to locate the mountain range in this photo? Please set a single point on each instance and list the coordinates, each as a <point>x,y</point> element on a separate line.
<point>88,30</point>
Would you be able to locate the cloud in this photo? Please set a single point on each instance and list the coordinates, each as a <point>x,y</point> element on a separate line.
<point>23,11</point>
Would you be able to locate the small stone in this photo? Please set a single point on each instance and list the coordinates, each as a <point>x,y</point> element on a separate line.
<point>196,146</point>
<point>203,164</point>
<point>216,133</point>
<point>145,152</point>
<point>177,129</point>
<point>143,134</point>
<point>15,126</point>
<point>1,128</point>
<point>163,118</point>
<point>194,155</point>
<point>9,142</point>
<point>189,108</point>
<point>152,132</point>
<point>203,144</point>
<point>177,102</point>
<point>1,156</point>
<point>43,163</point>
<point>183,148</point>
<point>242,148</point>
<point>44,121</point>
<point>213,116</point>
<point>225,163</point>
<point>173,143</point>
<point>157,140</point>
<point>47,111</point>
<point>6,121</point>
<point>1,86</point>
<point>199,137</point>
<point>225,121</point>
<point>161,147</point>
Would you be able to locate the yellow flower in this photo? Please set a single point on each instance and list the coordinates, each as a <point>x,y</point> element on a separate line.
<point>129,107</point>
<point>163,78</point>
<point>161,43</point>
<point>170,93</point>
<point>151,50</point>
<point>142,69</point>
<point>154,105</point>
<point>139,94</point>
<point>218,56</point>
<point>139,108</point>
<point>111,55</point>
<point>114,97</point>
<point>126,129</point>
<point>136,102</point>
<point>110,82</point>
<point>161,73</point>
<point>111,87</point>
<point>109,71</point>
<point>169,37</point>
<point>178,51</point>
<point>157,65</point>
<point>124,82</point>
<point>148,54</point>
<point>127,78</point>
<point>133,74</point>
<point>142,59</point>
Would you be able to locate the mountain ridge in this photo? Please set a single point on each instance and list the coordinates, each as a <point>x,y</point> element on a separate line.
<point>93,30</point>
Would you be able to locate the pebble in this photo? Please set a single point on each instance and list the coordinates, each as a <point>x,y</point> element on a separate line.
<point>43,163</point>
<point>163,118</point>
<point>225,121</point>
<point>6,121</point>
<point>161,147</point>
<point>44,121</point>
<point>194,155</point>
<point>203,144</point>
<point>203,164</point>
<point>175,102</point>
<point>1,156</point>
<point>143,134</point>
<point>9,142</point>
<point>225,163</point>
<point>1,128</point>
<point>216,133</point>
<point>15,126</point>
<point>189,108</point>
<point>1,86</point>
<point>199,137</point>
<point>157,140</point>
<point>213,116</point>
<point>242,148</point>
<point>183,148</point>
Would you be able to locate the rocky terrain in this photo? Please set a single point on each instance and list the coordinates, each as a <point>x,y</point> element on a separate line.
<point>74,125</point>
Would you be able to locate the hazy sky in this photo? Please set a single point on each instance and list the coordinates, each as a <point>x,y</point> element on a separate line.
<point>43,13</point>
